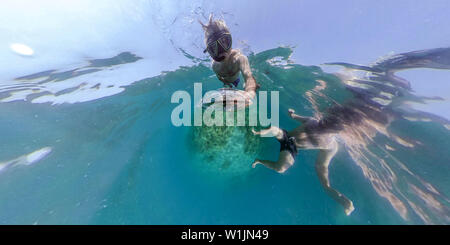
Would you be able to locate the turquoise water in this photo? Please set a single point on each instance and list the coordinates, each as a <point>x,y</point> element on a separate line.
<point>119,159</point>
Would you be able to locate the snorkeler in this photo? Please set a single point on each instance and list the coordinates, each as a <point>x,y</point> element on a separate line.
<point>309,135</point>
<point>227,61</point>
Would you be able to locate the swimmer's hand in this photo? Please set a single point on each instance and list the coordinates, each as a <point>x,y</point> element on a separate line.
<point>291,112</point>
<point>248,97</point>
<point>256,162</point>
<point>299,118</point>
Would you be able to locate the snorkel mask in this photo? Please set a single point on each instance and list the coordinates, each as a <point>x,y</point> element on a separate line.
<point>218,44</point>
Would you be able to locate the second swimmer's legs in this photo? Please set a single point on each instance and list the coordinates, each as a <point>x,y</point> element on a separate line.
<point>285,161</point>
<point>322,163</point>
<point>270,132</point>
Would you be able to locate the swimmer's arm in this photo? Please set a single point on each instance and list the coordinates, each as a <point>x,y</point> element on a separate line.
<point>250,82</point>
<point>298,117</point>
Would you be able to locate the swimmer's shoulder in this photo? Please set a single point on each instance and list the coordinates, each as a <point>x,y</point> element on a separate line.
<point>238,54</point>
<point>240,57</point>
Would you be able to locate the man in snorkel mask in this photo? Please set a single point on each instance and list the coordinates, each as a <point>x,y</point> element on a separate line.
<point>227,61</point>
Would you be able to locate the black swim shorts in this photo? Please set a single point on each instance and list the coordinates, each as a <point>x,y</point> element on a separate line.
<point>288,144</point>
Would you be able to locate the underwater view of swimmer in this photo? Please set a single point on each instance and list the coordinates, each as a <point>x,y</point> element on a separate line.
<point>355,121</point>
<point>227,62</point>
<point>310,135</point>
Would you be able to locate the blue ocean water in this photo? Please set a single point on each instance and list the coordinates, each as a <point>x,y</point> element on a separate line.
<point>119,160</point>
<point>87,137</point>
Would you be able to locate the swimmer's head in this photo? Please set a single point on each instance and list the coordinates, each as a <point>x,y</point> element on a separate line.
<point>217,39</point>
